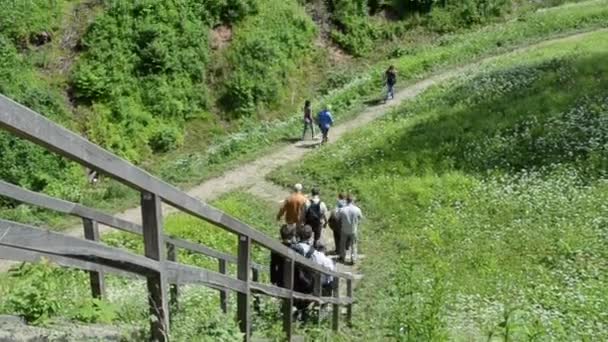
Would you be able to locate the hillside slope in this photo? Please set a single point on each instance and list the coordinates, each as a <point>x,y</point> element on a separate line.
<point>147,78</point>
<point>485,200</point>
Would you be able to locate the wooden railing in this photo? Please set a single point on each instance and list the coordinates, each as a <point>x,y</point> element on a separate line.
<point>159,265</point>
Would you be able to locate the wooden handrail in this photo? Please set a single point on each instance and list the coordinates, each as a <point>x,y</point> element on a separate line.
<point>34,127</point>
<point>78,210</point>
<point>159,265</point>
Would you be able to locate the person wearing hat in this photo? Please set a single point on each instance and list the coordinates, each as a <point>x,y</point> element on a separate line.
<point>325,121</point>
<point>293,207</point>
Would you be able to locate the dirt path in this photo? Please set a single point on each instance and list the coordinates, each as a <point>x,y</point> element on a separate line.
<point>251,176</point>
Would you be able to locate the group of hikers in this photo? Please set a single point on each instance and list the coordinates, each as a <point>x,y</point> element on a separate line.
<point>305,218</point>
<point>325,119</point>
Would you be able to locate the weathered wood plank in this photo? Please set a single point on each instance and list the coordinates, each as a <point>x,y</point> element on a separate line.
<point>279,292</point>
<point>349,307</point>
<point>243,299</point>
<point>173,287</point>
<point>154,249</point>
<point>70,208</point>
<point>75,209</point>
<point>223,293</point>
<point>26,123</point>
<point>184,274</point>
<point>317,293</point>
<point>27,255</point>
<point>23,236</point>
<point>335,325</point>
<point>91,232</point>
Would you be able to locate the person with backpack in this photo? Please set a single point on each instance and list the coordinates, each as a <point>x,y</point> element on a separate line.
<point>277,261</point>
<point>308,121</point>
<point>325,121</point>
<point>303,276</point>
<point>316,214</point>
<point>293,207</point>
<point>391,79</point>
<point>350,216</point>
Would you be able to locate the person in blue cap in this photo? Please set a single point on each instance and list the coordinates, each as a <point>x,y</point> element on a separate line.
<point>325,121</point>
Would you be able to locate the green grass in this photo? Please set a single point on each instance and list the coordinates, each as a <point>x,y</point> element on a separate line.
<point>363,87</point>
<point>347,90</point>
<point>485,203</point>
<point>46,294</point>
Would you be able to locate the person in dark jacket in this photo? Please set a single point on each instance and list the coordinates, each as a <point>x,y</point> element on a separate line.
<point>391,80</point>
<point>277,261</point>
<point>308,121</point>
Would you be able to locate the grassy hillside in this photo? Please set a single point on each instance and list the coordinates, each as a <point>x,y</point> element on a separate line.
<point>485,203</point>
<point>485,197</point>
<point>186,90</point>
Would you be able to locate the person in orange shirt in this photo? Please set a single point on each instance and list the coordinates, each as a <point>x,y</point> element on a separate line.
<point>293,207</point>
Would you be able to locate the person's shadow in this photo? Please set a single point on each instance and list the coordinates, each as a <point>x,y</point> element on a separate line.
<point>310,144</point>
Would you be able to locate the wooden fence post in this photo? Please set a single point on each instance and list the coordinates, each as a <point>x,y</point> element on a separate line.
<point>244,299</point>
<point>173,288</point>
<point>317,293</point>
<point>336,308</point>
<point>255,276</point>
<point>91,232</point>
<point>154,249</point>
<point>349,308</point>
<point>288,270</point>
<point>223,293</point>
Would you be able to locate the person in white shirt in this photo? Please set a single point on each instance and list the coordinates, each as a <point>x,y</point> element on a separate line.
<point>350,217</point>
<point>304,247</point>
<point>305,234</point>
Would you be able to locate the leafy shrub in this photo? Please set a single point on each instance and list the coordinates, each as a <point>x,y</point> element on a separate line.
<point>165,139</point>
<point>465,14</point>
<point>358,36</point>
<point>200,319</point>
<point>35,298</point>
<point>281,33</point>
<point>143,65</point>
<point>20,20</point>
<point>93,310</point>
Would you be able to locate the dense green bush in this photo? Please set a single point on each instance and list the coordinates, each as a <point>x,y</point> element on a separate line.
<point>143,66</point>
<point>265,51</point>
<point>20,21</point>
<point>464,14</point>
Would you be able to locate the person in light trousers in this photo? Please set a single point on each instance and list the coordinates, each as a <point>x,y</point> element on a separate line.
<point>350,217</point>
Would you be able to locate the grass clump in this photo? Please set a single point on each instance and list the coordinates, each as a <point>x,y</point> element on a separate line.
<point>484,200</point>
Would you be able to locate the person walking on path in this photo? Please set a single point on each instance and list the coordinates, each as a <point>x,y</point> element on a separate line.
<point>277,261</point>
<point>325,121</point>
<point>316,215</point>
<point>334,222</point>
<point>303,277</point>
<point>293,207</point>
<point>350,216</point>
<point>391,80</point>
<point>308,121</point>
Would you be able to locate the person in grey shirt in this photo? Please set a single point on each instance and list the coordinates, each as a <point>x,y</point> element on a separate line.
<point>350,216</point>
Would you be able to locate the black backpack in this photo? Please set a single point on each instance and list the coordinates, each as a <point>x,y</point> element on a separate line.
<point>304,280</point>
<point>313,214</point>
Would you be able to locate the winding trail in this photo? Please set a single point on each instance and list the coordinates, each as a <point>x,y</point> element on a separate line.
<point>251,177</point>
